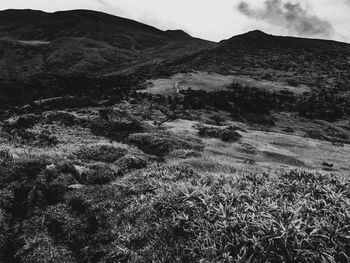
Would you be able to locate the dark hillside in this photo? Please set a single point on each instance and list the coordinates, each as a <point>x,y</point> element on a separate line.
<point>83,42</point>
<point>295,60</point>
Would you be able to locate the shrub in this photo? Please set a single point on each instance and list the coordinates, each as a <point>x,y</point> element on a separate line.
<point>227,134</point>
<point>116,124</point>
<point>323,104</point>
<point>62,173</point>
<point>64,118</point>
<point>131,162</point>
<point>23,122</point>
<point>230,135</point>
<point>100,173</point>
<point>42,249</point>
<point>5,157</point>
<point>161,144</point>
<point>62,103</point>
<point>45,138</point>
<point>102,153</point>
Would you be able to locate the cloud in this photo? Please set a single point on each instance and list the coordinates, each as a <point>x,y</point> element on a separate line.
<point>108,6</point>
<point>289,15</point>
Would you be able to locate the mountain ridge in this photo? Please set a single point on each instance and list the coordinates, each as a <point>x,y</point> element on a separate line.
<point>90,42</point>
<point>93,43</point>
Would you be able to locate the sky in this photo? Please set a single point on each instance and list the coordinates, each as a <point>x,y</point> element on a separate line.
<point>219,19</point>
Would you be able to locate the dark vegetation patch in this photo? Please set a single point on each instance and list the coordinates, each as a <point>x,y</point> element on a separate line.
<point>41,139</point>
<point>116,124</point>
<point>22,122</point>
<point>64,118</point>
<point>162,143</point>
<point>102,153</point>
<point>247,102</point>
<point>99,173</point>
<point>131,162</point>
<point>325,104</point>
<point>281,158</point>
<point>79,90</point>
<point>62,103</point>
<point>228,134</point>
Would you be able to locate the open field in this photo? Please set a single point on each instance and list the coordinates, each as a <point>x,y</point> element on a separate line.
<point>269,151</point>
<point>212,82</point>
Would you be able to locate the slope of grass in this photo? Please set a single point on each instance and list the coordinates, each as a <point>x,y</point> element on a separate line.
<point>165,213</point>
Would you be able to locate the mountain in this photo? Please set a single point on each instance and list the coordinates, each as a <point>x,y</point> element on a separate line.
<point>262,56</point>
<point>83,42</point>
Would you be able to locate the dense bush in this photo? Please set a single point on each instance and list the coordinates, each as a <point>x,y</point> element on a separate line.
<point>63,118</point>
<point>100,173</point>
<point>239,100</point>
<point>323,104</point>
<point>162,143</point>
<point>102,153</point>
<point>228,134</point>
<point>27,90</point>
<point>116,124</point>
<point>251,103</point>
<point>23,136</point>
<point>22,122</point>
<point>45,138</point>
<point>131,162</point>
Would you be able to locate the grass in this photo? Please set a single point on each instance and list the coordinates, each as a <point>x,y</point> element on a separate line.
<point>196,211</point>
<point>195,80</point>
<point>92,199</point>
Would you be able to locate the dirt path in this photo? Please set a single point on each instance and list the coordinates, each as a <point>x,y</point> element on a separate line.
<point>176,86</point>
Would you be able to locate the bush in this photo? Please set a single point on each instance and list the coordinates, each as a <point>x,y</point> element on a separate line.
<point>45,138</point>
<point>42,249</point>
<point>100,173</point>
<point>227,134</point>
<point>131,162</point>
<point>23,122</point>
<point>116,124</point>
<point>102,153</point>
<point>64,118</point>
<point>22,136</point>
<point>62,103</point>
<point>230,135</point>
<point>161,144</point>
<point>323,104</point>
<point>5,157</point>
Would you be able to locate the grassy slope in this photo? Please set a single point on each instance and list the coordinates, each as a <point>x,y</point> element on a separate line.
<point>85,42</point>
<point>200,80</point>
<point>286,59</point>
<point>81,201</point>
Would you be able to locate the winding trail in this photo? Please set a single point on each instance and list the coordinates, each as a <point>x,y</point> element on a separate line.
<point>176,86</point>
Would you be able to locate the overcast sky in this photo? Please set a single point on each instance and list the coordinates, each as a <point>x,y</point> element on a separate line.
<point>220,19</point>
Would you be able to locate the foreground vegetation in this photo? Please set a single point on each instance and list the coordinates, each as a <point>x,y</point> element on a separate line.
<point>167,213</point>
<point>119,199</point>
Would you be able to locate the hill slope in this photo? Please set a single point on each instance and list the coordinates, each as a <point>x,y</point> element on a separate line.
<point>82,41</point>
<point>306,61</point>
